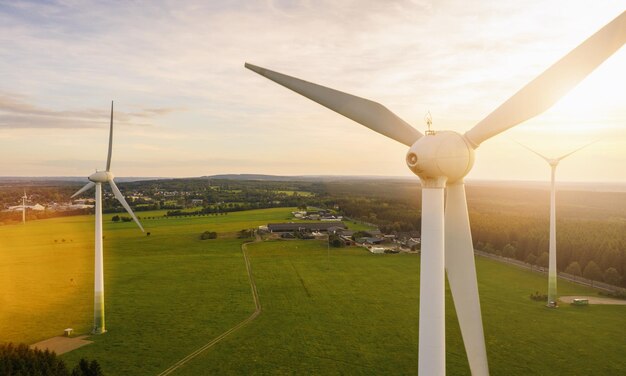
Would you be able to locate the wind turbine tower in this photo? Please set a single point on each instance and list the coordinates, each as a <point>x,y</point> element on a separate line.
<point>24,208</point>
<point>441,159</point>
<point>95,180</point>
<point>552,271</point>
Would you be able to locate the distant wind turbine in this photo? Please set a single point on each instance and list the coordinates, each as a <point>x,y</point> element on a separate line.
<point>24,208</point>
<point>553,162</point>
<point>96,179</point>
<point>441,160</point>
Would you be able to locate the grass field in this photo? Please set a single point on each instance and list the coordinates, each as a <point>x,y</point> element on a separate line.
<point>299,193</point>
<point>350,313</point>
<point>356,313</point>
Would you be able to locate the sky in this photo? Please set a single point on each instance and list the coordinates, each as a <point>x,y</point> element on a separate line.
<point>185,106</point>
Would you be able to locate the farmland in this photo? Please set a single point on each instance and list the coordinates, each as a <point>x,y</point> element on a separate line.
<point>169,293</point>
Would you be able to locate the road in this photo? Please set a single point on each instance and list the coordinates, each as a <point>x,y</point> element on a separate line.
<point>216,340</point>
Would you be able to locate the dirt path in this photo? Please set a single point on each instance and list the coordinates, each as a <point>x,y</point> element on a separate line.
<point>257,311</point>
<point>593,300</point>
<point>61,345</point>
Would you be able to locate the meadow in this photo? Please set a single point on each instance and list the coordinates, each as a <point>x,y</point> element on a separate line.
<point>352,312</point>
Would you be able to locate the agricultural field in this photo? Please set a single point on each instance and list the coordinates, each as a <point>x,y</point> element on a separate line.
<point>343,312</point>
<point>356,313</point>
<point>296,193</point>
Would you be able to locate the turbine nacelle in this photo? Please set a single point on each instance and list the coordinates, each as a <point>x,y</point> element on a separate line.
<point>101,177</point>
<point>553,162</point>
<point>440,157</point>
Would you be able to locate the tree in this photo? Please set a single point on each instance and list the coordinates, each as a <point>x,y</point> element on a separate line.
<point>574,269</point>
<point>509,251</point>
<point>22,360</point>
<point>336,241</point>
<point>488,248</point>
<point>531,259</point>
<point>612,277</point>
<point>244,234</point>
<point>592,271</point>
<point>543,259</point>
<point>361,234</point>
<point>208,235</point>
<point>85,368</point>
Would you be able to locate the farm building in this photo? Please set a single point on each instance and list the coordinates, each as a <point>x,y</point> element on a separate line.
<point>335,229</point>
<point>36,207</point>
<point>299,226</point>
<point>369,241</point>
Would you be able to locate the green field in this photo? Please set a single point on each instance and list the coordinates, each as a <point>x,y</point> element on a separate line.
<point>299,193</point>
<point>169,293</point>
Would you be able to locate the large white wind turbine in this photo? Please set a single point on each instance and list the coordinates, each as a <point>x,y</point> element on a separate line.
<point>553,162</point>
<point>96,179</point>
<point>441,160</point>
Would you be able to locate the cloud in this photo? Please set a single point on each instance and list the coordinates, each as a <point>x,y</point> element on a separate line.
<point>177,69</point>
<point>17,112</point>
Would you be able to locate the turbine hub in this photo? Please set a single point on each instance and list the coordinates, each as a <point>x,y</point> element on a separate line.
<point>101,176</point>
<point>440,157</point>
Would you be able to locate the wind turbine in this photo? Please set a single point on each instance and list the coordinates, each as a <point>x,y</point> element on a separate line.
<point>24,207</point>
<point>95,180</point>
<point>441,160</point>
<point>553,162</point>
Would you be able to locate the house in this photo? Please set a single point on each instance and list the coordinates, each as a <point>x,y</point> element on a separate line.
<point>347,233</point>
<point>36,207</point>
<point>316,234</point>
<point>346,239</point>
<point>369,241</point>
<point>407,235</point>
<point>84,201</point>
<point>299,214</point>
<point>335,229</point>
<point>79,206</point>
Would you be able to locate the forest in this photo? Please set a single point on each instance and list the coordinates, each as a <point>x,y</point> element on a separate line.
<point>511,220</point>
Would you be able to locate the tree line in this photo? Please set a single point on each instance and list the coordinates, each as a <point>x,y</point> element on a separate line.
<point>507,219</point>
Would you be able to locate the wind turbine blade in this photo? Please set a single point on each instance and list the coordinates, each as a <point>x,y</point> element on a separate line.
<point>364,111</point>
<point>110,140</point>
<point>545,90</point>
<point>84,188</point>
<point>462,277</point>
<point>577,150</point>
<point>532,151</point>
<point>122,200</point>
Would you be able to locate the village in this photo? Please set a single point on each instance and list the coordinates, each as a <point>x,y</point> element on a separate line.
<point>313,223</point>
<point>336,232</point>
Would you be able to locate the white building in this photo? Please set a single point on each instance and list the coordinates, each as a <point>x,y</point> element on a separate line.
<point>35,207</point>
